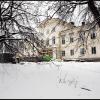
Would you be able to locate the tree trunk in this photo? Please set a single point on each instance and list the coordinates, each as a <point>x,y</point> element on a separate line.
<point>94,10</point>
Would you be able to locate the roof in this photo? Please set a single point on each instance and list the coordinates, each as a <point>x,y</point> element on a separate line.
<point>48,21</point>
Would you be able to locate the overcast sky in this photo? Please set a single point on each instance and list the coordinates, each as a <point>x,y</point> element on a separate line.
<point>41,7</point>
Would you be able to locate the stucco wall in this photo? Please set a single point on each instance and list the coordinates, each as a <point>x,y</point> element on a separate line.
<point>66,29</point>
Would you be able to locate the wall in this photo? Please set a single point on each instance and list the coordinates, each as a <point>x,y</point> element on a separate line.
<point>64,28</point>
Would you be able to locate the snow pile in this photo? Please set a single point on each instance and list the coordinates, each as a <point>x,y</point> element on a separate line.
<point>50,80</point>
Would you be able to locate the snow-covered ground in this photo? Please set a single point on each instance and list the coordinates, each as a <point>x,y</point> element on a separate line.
<point>53,80</point>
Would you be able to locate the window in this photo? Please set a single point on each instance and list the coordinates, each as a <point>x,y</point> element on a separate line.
<point>71,40</point>
<point>53,40</point>
<point>93,50</point>
<point>63,39</point>
<point>63,53</point>
<point>82,51</point>
<point>93,35</point>
<point>71,52</point>
<point>82,36</point>
<point>71,37</point>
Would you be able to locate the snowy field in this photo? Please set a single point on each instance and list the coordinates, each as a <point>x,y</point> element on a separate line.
<point>53,80</point>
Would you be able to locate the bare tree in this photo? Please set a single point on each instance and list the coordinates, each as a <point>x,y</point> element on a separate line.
<point>88,10</point>
<point>15,20</point>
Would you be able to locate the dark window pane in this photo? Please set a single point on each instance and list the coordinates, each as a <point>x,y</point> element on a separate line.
<point>93,35</point>
<point>71,52</point>
<point>93,50</point>
<point>63,39</point>
<point>71,40</point>
<point>82,51</point>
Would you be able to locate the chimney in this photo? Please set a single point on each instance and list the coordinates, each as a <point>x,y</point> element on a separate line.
<point>83,23</point>
<point>72,23</point>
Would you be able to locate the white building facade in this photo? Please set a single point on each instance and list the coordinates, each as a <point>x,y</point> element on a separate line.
<point>69,42</point>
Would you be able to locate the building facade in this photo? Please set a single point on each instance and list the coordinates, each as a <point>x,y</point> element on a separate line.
<point>70,42</point>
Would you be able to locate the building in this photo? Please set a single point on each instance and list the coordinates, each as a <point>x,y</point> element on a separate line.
<point>70,42</point>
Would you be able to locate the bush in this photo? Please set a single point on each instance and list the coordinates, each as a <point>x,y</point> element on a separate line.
<point>7,58</point>
<point>47,58</point>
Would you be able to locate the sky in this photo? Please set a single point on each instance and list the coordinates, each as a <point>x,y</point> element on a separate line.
<point>43,8</point>
<point>75,18</point>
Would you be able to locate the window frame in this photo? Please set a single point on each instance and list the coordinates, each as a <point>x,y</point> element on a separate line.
<point>63,53</point>
<point>72,52</point>
<point>71,36</point>
<point>93,50</point>
<point>82,51</point>
<point>63,40</point>
<point>93,35</point>
<point>71,39</point>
